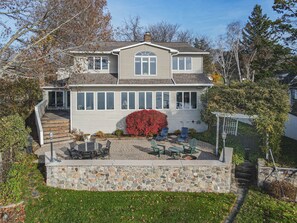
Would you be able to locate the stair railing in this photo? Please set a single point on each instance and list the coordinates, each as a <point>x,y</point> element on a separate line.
<point>39,112</point>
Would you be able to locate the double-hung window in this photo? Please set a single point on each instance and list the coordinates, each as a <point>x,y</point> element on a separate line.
<point>98,63</point>
<point>162,100</point>
<point>145,63</point>
<point>186,100</point>
<point>128,100</point>
<point>145,100</point>
<point>85,101</point>
<point>105,100</point>
<point>181,63</point>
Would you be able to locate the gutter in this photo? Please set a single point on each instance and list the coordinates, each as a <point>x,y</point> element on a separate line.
<point>140,85</point>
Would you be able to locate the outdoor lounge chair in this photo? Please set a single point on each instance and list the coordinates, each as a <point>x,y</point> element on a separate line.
<point>192,147</point>
<point>163,134</point>
<point>183,135</point>
<point>158,149</point>
<point>106,150</point>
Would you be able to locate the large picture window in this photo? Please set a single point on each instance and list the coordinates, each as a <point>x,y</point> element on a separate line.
<point>105,100</point>
<point>98,63</point>
<point>145,100</point>
<point>85,101</point>
<point>186,100</point>
<point>145,63</point>
<point>162,100</point>
<point>181,63</point>
<point>128,100</point>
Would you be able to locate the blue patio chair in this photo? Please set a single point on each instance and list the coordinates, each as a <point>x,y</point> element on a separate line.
<point>163,134</point>
<point>183,135</point>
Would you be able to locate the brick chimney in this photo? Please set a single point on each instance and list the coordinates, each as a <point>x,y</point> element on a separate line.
<point>147,37</point>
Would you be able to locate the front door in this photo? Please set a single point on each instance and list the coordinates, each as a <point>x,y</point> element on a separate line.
<point>56,99</point>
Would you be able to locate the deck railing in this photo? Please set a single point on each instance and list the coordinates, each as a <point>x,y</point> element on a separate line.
<point>39,112</point>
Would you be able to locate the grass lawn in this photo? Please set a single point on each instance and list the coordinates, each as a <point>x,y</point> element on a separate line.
<point>57,205</point>
<point>260,207</point>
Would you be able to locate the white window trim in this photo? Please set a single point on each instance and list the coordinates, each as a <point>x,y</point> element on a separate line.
<point>85,101</point>
<point>145,107</point>
<point>105,101</point>
<point>128,101</point>
<point>141,67</point>
<point>186,109</point>
<point>185,64</point>
<point>162,100</point>
<point>94,59</point>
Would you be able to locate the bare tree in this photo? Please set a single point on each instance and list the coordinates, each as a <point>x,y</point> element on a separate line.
<point>233,39</point>
<point>163,31</point>
<point>185,36</point>
<point>44,31</point>
<point>224,58</point>
<point>131,30</point>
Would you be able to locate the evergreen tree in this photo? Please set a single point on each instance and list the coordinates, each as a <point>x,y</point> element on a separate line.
<point>257,44</point>
<point>203,43</point>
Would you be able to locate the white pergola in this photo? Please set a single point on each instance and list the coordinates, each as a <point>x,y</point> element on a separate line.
<point>236,116</point>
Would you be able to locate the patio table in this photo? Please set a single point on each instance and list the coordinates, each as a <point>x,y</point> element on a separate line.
<point>88,150</point>
<point>175,151</point>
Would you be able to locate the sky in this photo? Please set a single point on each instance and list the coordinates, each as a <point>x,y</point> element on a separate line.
<point>202,17</point>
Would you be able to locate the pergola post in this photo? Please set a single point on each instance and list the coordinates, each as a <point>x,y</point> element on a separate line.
<point>217,137</point>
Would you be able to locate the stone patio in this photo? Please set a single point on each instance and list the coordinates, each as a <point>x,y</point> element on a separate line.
<point>133,149</point>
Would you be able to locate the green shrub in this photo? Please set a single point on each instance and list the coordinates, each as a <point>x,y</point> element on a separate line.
<point>177,132</point>
<point>192,132</point>
<point>119,133</point>
<point>281,189</point>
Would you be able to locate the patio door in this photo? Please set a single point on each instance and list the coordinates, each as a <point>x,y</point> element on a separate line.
<point>55,99</point>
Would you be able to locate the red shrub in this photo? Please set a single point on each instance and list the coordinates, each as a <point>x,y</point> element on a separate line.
<point>145,122</point>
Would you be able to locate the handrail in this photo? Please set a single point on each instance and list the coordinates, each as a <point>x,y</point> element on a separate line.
<point>39,112</point>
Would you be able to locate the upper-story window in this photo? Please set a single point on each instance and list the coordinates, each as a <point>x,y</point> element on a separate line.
<point>145,63</point>
<point>181,63</point>
<point>98,63</point>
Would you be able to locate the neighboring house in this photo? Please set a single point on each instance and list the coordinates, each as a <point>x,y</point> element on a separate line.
<point>107,84</point>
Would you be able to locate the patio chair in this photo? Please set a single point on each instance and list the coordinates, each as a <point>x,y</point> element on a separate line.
<point>192,147</point>
<point>163,134</point>
<point>73,145</point>
<point>106,150</point>
<point>158,149</point>
<point>74,154</point>
<point>183,135</point>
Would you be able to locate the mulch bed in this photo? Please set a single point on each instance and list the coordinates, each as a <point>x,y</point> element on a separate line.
<point>13,213</point>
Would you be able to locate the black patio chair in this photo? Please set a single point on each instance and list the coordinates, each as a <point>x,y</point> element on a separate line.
<point>75,154</point>
<point>106,150</point>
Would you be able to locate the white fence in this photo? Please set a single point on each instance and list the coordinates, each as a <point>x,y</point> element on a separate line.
<point>291,127</point>
<point>39,112</point>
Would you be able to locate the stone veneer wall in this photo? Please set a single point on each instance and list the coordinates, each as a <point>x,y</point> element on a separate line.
<point>268,174</point>
<point>144,175</point>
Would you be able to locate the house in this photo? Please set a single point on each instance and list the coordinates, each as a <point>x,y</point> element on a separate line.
<point>117,78</point>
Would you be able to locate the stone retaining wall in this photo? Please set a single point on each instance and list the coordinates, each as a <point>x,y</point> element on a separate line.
<point>145,175</point>
<point>268,174</point>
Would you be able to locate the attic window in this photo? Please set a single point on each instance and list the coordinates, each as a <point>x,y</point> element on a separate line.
<point>145,63</point>
<point>98,63</point>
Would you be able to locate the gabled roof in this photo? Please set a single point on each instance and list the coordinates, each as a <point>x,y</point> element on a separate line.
<point>109,47</point>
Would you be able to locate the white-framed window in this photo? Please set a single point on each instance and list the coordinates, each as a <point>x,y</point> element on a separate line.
<point>162,100</point>
<point>145,100</point>
<point>181,63</point>
<point>128,100</point>
<point>56,99</point>
<point>105,100</point>
<point>186,100</point>
<point>98,63</point>
<point>145,63</point>
<point>85,101</point>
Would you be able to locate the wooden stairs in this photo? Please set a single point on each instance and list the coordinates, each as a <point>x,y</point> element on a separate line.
<point>57,122</point>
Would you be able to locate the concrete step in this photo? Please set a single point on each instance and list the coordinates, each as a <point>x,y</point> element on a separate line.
<point>56,129</point>
<point>55,123</point>
<point>57,135</point>
<point>244,175</point>
<point>56,140</point>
